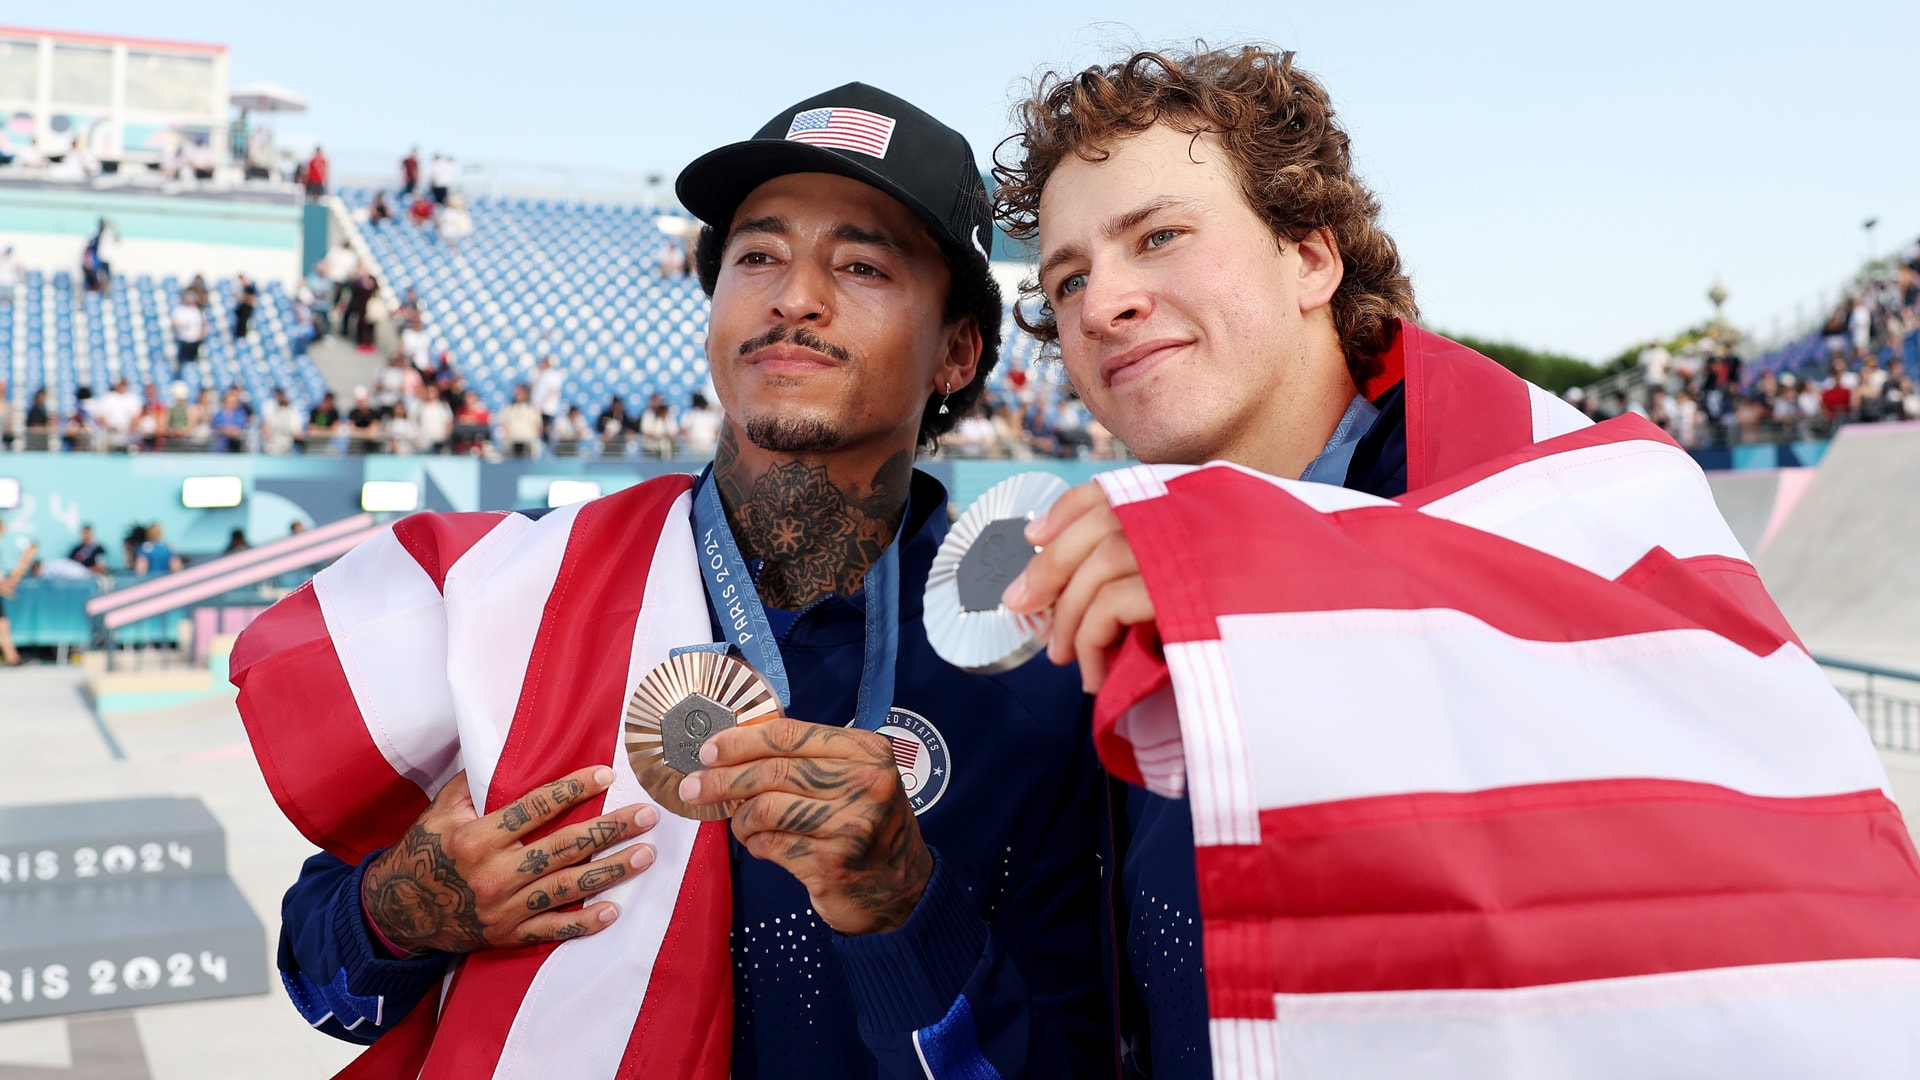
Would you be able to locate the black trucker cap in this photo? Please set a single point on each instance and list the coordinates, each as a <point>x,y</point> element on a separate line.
<point>860,132</point>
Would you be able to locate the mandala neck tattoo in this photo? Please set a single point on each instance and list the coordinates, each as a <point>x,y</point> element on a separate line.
<point>817,533</point>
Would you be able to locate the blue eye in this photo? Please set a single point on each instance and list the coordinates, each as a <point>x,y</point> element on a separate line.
<point>1070,284</point>
<point>1159,237</point>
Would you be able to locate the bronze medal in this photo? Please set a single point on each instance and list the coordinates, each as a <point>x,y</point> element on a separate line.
<point>677,707</point>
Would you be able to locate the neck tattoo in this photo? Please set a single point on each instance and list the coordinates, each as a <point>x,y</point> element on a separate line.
<point>816,535</point>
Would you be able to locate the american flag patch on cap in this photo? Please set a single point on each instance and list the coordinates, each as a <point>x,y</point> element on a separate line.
<point>843,129</point>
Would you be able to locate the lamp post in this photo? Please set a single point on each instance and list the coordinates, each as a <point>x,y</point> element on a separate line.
<point>1718,295</point>
<point>1867,227</point>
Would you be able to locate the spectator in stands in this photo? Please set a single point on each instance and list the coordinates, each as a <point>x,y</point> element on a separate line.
<point>659,428</point>
<point>116,412</point>
<point>200,419</point>
<point>154,556</point>
<point>89,552</point>
<point>417,347</point>
<point>245,298</point>
<point>433,428</point>
<point>236,542</point>
<point>363,424</point>
<point>78,430</point>
<point>549,383</point>
<point>356,324</point>
<point>378,210</point>
<point>390,383</point>
<point>420,212</point>
<point>323,422</point>
<point>1689,421</point>
<point>153,418</point>
<point>339,269</point>
<point>454,223</point>
<point>9,276</point>
<point>1869,390</point>
<point>130,545</point>
<point>6,418</point>
<point>39,426</point>
<point>400,430</point>
<point>189,330</point>
<point>615,426</point>
<point>570,432</point>
<point>178,425</point>
<point>700,427</point>
<point>1836,394</point>
<point>96,259</point>
<point>280,424</point>
<point>472,424</point>
<point>16,557</point>
<point>409,309</point>
<point>520,423</point>
<point>440,177</point>
<point>230,422</point>
<point>410,173</point>
<point>316,175</point>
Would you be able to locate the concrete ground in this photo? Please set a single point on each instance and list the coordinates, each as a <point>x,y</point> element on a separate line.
<point>58,751</point>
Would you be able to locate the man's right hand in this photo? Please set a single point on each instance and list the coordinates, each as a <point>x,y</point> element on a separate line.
<point>458,882</point>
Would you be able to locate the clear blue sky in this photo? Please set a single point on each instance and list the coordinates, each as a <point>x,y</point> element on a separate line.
<point>1570,177</point>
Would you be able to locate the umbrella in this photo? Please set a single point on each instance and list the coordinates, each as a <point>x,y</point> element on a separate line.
<point>266,97</point>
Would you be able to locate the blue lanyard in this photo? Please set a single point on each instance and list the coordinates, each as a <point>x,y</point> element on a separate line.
<point>743,619</point>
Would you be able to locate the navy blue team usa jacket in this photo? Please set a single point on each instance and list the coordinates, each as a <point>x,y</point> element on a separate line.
<point>1002,970</point>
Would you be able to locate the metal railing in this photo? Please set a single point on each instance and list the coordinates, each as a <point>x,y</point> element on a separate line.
<point>1887,700</point>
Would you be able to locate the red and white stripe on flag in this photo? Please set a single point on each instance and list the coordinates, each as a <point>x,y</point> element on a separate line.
<point>1520,775</point>
<point>507,647</point>
<point>843,129</point>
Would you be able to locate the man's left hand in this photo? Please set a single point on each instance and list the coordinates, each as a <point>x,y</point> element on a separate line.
<point>827,804</point>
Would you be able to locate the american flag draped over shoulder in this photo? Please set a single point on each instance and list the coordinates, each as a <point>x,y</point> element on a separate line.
<point>507,646</point>
<point>1520,775</point>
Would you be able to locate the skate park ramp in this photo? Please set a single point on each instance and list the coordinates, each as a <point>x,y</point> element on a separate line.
<point>1756,502</point>
<point>1841,563</point>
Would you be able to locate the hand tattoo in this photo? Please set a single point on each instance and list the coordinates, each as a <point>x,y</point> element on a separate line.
<point>566,791</point>
<point>414,889</point>
<point>535,862</point>
<point>539,901</point>
<point>569,931</point>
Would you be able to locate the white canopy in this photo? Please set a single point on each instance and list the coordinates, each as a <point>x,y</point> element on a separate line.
<point>266,97</point>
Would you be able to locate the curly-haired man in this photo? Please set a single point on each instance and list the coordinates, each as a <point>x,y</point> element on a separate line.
<point>1463,739</point>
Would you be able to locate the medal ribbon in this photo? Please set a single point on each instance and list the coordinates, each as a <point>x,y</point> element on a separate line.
<point>743,619</point>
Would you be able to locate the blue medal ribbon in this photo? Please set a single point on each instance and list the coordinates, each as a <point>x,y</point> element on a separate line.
<point>743,619</point>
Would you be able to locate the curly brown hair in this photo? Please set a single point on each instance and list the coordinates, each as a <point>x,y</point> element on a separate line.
<point>1292,160</point>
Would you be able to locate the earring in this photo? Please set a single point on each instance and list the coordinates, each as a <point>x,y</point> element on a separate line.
<point>945,396</point>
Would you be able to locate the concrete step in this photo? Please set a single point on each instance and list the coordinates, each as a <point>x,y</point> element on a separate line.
<point>118,945</point>
<point>98,842</point>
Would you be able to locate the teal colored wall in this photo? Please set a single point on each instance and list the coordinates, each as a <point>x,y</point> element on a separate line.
<point>276,226</point>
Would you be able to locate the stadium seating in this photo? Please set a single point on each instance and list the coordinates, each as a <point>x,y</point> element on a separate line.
<point>60,337</point>
<point>579,282</point>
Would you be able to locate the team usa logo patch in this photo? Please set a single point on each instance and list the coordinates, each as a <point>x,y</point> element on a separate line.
<point>921,753</point>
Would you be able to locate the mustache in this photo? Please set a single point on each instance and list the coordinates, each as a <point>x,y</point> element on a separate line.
<point>802,337</point>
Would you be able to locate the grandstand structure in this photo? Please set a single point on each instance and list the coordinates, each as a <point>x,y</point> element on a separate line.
<point>60,337</point>
<point>577,281</point>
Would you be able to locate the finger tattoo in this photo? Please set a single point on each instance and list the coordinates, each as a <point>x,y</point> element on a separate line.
<point>535,862</point>
<point>539,901</point>
<point>600,834</point>
<point>605,875</point>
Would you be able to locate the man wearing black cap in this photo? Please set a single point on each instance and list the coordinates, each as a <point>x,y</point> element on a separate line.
<point>915,884</point>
